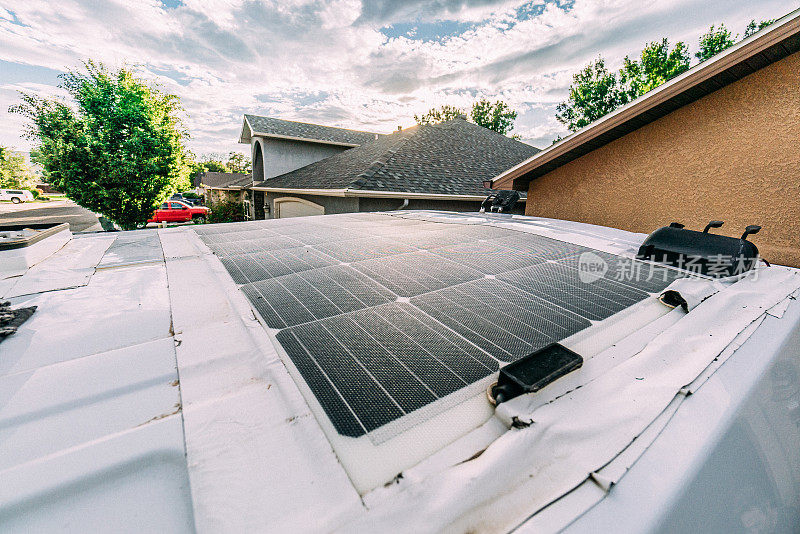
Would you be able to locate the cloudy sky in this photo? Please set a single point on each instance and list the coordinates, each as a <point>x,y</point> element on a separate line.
<point>358,64</point>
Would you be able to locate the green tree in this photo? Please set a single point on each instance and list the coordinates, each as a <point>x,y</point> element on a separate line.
<point>119,152</point>
<point>657,64</point>
<point>238,162</point>
<point>496,116</point>
<point>595,92</point>
<point>206,163</point>
<point>15,173</point>
<point>754,27</point>
<point>715,41</point>
<point>442,114</point>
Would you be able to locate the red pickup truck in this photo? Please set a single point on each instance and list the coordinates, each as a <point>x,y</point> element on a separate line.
<point>174,211</point>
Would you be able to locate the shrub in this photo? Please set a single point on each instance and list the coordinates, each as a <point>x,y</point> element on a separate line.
<point>227,211</point>
<point>36,193</point>
<point>190,194</point>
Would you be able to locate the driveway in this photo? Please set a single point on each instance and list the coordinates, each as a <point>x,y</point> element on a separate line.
<point>79,219</point>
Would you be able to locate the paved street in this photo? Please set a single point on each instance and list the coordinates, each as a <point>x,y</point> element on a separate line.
<point>79,219</point>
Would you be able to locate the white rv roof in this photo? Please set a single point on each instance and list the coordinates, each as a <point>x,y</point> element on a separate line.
<point>146,392</point>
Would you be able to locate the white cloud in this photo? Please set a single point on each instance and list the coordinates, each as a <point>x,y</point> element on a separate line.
<point>329,60</point>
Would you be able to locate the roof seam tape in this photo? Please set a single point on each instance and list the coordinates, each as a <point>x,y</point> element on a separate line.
<point>634,394</point>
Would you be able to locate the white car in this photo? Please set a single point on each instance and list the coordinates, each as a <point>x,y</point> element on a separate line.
<point>16,195</point>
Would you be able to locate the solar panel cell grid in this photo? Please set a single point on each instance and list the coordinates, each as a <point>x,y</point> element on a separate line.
<point>632,273</point>
<point>299,298</point>
<point>382,315</point>
<point>252,267</point>
<point>363,249</point>
<point>415,273</point>
<point>561,286</point>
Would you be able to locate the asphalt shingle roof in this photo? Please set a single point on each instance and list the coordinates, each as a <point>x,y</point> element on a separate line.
<point>452,158</point>
<point>221,180</point>
<point>304,130</point>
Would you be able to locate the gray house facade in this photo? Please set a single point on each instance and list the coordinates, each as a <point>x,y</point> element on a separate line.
<point>280,146</point>
<point>438,167</point>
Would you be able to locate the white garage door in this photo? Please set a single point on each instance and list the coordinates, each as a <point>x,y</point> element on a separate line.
<point>296,207</point>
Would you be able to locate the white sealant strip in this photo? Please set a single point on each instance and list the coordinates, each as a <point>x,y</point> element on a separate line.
<point>257,458</point>
<point>72,266</point>
<point>582,431</point>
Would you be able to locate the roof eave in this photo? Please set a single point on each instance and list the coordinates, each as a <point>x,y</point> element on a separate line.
<point>302,139</point>
<point>367,193</point>
<point>515,177</point>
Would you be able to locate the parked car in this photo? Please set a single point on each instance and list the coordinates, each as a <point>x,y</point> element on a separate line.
<point>181,198</point>
<point>174,211</point>
<point>16,195</point>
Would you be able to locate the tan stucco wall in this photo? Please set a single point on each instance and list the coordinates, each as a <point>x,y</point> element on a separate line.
<point>733,155</point>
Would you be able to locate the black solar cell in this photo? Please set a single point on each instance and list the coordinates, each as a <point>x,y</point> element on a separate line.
<point>299,298</point>
<point>247,267</point>
<point>363,249</point>
<point>503,321</point>
<point>416,273</point>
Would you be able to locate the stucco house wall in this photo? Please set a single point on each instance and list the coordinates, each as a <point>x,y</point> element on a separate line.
<point>733,155</point>
<point>280,155</point>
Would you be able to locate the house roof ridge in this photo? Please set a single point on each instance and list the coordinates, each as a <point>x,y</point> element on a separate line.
<point>314,124</point>
<point>383,160</point>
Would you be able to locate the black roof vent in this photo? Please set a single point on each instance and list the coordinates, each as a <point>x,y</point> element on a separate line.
<point>701,252</point>
<point>502,201</point>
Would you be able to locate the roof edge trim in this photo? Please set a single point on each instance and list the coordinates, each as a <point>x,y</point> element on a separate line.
<point>367,193</point>
<point>303,139</point>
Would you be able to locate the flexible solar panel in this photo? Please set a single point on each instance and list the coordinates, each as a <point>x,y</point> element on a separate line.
<point>383,315</point>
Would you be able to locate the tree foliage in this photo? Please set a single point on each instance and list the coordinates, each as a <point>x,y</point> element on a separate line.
<point>442,114</point>
<point>119,152</point>
<point>496,116</point>
<point>595,91</point>
<point>657,64</point>
<point>227,211</point>
<point>238,162</point>
<point>15,173</point>
<point>715,41</point>
<point>233,162</point>
<point>754,27</point>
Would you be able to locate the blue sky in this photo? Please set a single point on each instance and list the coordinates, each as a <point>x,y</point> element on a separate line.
<point>359,64</point>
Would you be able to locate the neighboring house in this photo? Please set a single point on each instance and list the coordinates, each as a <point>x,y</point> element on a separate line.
<point>46,188</point>
<point>279,146</point>
<point>440,167</point>
<point>222,186</point>
<point>718,142</point>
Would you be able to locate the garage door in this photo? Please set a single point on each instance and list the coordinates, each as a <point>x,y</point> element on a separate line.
<point>296,207</point>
